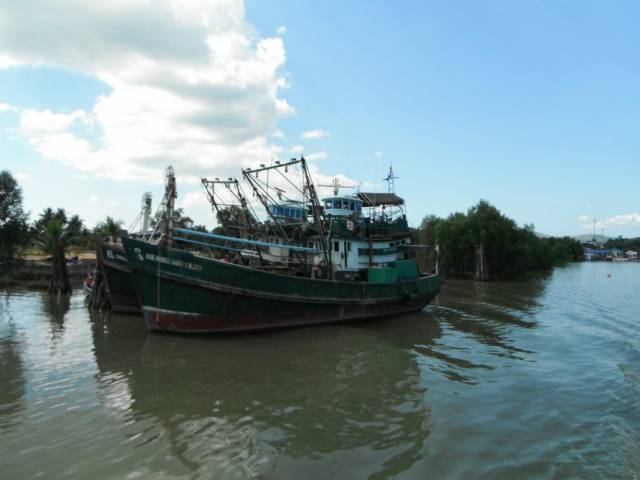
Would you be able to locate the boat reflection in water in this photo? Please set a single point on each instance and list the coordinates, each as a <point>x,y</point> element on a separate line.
<point>12,378</point>
<point>250,405</point>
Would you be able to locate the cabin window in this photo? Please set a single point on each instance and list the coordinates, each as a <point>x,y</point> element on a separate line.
<point>337,204</point>
<point>348,246</point>
<point>336,246</point>
<point>351,206</point>
<point>328,204</point>
<point>358,207</point>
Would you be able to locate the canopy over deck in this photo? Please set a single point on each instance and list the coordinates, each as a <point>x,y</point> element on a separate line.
<point>378,199</point>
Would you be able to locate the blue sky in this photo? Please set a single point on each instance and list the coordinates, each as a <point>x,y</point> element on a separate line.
<point>530,105</point>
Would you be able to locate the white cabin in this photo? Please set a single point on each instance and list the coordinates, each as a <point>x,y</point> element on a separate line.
<point>342,206</point>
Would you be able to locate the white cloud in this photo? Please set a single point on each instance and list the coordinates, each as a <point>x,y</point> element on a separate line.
<point>193,199</point>
<point>583,218</point>
<point>378,154</point>
<point>316,156</point>
<point>93,199</point>
<point>296,149</point>
<point>624,220</point>
<point>21,176</point>
<point>628,219</point>
<point>6,61</point>
<point>281,30</point>
<point>315,134</point>
<point>192,85</point>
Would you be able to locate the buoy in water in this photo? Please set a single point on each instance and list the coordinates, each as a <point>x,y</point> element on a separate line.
<point>609,275</point>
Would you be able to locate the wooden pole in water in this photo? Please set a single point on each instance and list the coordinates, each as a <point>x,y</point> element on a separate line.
<point>60,276</point>
<point>99,295</point>
<point>481,274</point>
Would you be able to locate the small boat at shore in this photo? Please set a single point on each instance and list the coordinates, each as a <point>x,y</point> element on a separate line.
<point>310,262</point>
<point>117,276</point>
<point>113,267</point>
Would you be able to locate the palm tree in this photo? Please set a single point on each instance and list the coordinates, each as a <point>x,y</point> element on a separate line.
<point>40,225</point>
<point>55,240</point>
<point>75,228</point>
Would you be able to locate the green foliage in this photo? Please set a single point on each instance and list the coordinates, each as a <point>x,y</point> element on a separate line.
<point>76,234</point>
<point>510,251</point>
<point>180,220</point>
<point>624,244</point>
<point>54,236</point>
<point>233,217</point>
<point>13,219</point>
<point>199,228</point>
<point>110,227</point>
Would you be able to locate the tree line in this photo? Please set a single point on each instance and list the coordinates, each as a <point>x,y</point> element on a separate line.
<point>624,244</point>
<point>485,238</point>
<point>482,238</point>
<point>53,228</point>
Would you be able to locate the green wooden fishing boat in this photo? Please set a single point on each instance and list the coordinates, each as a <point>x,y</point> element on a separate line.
<point>182,291</point>
<point>117,275</point>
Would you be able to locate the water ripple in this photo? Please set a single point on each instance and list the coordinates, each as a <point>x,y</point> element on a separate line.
<point>536,379</point>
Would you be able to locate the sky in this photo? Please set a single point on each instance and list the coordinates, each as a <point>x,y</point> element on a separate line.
<point>532,105</point>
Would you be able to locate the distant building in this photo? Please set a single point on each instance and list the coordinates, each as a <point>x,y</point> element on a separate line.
<point>616,253</point>
<point>609,254</point>
<point>596,254</point>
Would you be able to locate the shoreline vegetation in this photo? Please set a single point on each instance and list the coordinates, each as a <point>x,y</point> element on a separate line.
<point>481,244</point>
<point>484,244</point>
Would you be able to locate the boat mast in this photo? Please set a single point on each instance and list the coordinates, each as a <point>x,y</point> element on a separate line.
<point>170,195</point>
<point>250,224</point>
<point>336,185</point>
<point>218,203</point>
<point>316,211</point>
<point>262,194</point>
<point>146,213</point>
<point>391,180</point>
<point>210,189</point>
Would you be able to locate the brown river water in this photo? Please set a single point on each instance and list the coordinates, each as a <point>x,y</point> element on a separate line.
<point>505,380</point>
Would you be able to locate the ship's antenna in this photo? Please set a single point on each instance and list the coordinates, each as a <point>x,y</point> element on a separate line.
<point>336,185</point>
<point>391,180</point>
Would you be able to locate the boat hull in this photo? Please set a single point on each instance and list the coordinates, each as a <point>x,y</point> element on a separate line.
<point>117,274</point>
<point>182,292</point>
